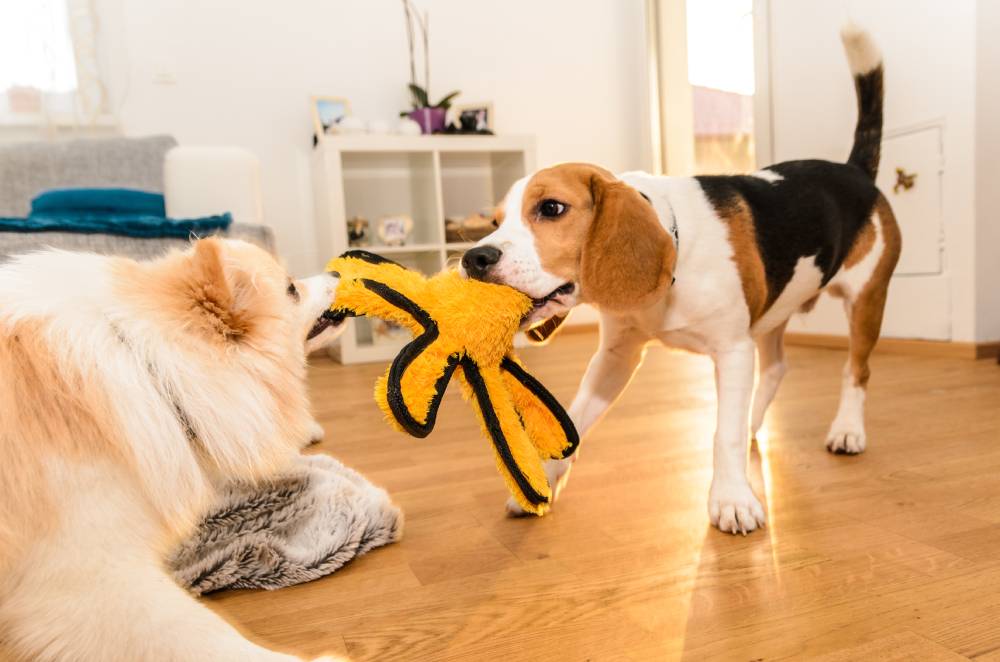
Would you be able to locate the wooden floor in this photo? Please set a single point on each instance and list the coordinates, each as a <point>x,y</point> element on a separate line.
<point>894,554</point>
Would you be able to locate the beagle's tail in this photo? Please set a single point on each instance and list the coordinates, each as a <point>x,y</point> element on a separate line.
<point>865,61</point>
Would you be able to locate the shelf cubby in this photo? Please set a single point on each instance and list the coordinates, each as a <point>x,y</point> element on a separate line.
<point>427,178</point>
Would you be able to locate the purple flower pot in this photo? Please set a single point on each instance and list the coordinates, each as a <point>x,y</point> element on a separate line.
<point>431,120</point>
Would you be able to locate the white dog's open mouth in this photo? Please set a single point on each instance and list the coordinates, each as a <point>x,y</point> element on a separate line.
<point>327,320</point>
<point>565,288</point>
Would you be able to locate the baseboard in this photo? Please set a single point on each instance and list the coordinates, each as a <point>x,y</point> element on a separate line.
<point>939,348</point>
<point>947,349</point>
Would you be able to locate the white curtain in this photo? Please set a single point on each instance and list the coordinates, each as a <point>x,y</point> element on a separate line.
<point>48,58</point>
<point>91,97</point>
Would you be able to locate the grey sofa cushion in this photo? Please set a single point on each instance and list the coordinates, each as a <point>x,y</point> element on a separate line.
<point>14,243</point>
<point>27,169</point>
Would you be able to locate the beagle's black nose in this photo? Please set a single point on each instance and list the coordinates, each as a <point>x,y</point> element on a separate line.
<point>479,260</point>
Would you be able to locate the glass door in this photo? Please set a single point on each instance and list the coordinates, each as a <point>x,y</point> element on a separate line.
<point>720,50</point>
<point>709,115</point>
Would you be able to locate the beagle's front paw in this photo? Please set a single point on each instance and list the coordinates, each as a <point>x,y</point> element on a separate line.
<point>733,508</point>
<point>557,473</point>
<point>846,440</point>
<point>514,509</point>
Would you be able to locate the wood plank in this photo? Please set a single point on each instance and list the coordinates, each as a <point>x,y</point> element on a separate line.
<point>908,346</point>
<point>889,555</point>
<point>901,647</point>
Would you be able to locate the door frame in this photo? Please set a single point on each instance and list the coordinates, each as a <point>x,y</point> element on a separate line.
<point>763,137</point>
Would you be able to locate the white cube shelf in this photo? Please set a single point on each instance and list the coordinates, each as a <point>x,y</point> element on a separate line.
<point>426,177</point>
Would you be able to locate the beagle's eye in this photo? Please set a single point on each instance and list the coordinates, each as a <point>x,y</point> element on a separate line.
<point>550,208</point>
<point>495,223</point>
<point>292,291</point>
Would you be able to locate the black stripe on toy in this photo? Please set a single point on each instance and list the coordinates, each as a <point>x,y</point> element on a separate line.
<point>402,302</point>
<point>496,432</point>
<point>339,315</point>
<point>370,258</point>
<point>394,386</point>
<point>394,389</point>
<point>547,399</point>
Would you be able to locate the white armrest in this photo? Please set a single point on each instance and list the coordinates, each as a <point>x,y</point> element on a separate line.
<point>203,181</point>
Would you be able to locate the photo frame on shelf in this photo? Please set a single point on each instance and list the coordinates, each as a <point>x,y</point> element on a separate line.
<point>473,117</point>
<point>327,112</point>
<point>394,230</point>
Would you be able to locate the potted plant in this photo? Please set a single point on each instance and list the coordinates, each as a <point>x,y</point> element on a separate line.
<point>430,116</point>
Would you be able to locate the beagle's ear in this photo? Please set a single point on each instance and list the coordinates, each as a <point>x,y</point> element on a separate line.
<point>628,258</point>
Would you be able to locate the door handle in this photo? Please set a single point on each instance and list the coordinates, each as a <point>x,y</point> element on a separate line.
<point>904,180</point>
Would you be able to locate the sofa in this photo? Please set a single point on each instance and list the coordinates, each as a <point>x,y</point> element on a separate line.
<point>195,181</point>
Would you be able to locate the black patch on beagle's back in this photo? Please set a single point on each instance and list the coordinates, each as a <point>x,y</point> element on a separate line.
<point>816,209</point>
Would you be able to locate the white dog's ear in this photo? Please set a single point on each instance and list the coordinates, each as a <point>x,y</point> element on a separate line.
<point>211,295</point>
<point>628,258</point>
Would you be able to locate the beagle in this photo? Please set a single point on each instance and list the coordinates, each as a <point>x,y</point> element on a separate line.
<point>714,265</point>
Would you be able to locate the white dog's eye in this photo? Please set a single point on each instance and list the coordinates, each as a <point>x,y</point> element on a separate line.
<point>292,291</point>
<point>551,208</point>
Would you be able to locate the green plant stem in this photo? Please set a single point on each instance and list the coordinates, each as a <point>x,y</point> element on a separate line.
<point>409,41</point>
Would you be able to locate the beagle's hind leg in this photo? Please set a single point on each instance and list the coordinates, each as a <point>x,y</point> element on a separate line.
<point>864,286</point>
<point>847,432</point>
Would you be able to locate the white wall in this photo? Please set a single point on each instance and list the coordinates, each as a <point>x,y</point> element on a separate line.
<point>930,55</point>
<point>570,72</point>
<point>987,171</point>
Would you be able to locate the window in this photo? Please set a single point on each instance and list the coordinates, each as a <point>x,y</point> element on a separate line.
<point>707,109</point>
<point>35,46</point>
<point>721,73</point>
<point>47,59</point>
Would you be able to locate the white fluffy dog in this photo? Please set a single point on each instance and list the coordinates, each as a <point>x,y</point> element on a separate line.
<point>128,393</point>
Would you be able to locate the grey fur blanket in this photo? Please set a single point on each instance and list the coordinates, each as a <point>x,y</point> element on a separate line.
<point>302,526</point>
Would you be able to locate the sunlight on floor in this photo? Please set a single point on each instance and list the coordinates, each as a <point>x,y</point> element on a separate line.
<point>759,457</point>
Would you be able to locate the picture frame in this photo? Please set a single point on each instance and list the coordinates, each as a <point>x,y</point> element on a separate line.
<point>484,123</point>
<point>394,230</point>
<point>327,111</point>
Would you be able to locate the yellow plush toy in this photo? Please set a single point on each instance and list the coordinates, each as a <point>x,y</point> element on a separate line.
<point>465,326</point>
